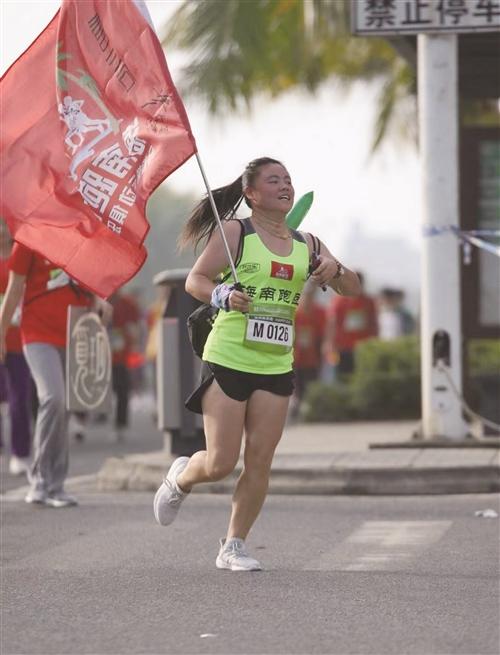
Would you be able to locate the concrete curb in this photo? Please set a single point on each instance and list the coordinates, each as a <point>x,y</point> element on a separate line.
<point>439,443</point>
<point>145,473</point>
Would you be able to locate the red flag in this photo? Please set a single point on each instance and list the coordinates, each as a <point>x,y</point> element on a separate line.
<point>91,123</point>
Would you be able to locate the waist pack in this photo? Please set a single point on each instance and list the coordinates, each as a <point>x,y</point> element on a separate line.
<point>199,325</point>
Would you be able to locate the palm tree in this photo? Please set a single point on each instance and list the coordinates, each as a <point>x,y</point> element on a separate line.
<point>243,48</point>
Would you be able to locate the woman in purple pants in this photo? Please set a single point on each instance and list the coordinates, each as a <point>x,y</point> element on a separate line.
<point>15,378</point>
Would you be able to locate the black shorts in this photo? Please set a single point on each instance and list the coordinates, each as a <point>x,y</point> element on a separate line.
<point>238,385</point>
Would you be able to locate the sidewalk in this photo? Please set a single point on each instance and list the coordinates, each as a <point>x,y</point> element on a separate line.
<point>342,458</point>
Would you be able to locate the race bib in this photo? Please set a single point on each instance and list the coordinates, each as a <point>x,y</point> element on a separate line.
<point>270,328</point>
<point>355,320</point>
<point>117,340</point>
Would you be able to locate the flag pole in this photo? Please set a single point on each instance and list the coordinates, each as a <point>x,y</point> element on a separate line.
<point>219,222</point>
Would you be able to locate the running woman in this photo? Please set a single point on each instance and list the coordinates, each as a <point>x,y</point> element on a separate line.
<point>247,376</point>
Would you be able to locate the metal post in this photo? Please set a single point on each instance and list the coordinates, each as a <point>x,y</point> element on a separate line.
<point>440,310</point>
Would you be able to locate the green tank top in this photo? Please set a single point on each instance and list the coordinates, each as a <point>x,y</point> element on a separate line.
<point>262,340</point>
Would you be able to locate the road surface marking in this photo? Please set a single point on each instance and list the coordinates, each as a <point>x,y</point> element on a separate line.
<point>381,545</point>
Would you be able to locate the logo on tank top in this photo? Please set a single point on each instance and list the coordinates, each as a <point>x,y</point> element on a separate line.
<point>249,267</point>
<point>281,271</point>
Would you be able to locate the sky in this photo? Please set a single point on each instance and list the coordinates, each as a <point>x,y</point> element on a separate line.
<point>323,140</point>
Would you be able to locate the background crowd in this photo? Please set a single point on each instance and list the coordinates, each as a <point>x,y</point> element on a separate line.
<point>328,331</point>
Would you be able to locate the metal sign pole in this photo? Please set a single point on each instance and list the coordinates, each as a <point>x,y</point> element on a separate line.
<point>437,32</point>
<point>441,335</point>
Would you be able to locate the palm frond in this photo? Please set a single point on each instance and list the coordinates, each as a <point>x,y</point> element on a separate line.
<point>394,113</point>
<point>241,49</point>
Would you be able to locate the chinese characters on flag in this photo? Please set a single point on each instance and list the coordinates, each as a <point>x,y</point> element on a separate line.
<point>91,125</point>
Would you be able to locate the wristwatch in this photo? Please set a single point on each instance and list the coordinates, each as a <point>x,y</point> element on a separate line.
<point>340,271</point>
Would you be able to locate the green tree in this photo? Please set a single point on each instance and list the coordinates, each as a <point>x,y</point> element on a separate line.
<point>240,49</point>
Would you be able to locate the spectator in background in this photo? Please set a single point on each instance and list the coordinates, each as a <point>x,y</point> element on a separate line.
<point>46,292</point>
<point>154,315</point>
<point>310,321</point>
<point>394,320</point>
<point>350,320</point>
<point>15,378</point>
<point>124,337</point>
<point>408,322</point>
<point>136,359</point>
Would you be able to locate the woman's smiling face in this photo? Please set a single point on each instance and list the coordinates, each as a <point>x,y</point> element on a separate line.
<point>272,190</point>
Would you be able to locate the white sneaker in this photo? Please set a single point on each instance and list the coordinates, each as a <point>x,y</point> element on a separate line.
<point>36,496</point>
<point>169,497</point>
<point>233,556</point>
<point>18,465</point>
<point>60,499</point>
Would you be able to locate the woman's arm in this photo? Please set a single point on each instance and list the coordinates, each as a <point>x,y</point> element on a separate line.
<point>11,299</point>
<point>346,284</point>
<point>212,261</point>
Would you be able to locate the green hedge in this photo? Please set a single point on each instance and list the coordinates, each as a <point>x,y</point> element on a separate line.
<point>324,403</point>
<point>386,382</point>
<point>387,379</point>
<point>484,357</point>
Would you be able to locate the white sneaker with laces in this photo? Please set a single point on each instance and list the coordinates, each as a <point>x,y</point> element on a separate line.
<point>234,557</point>
<point>60,499</point>
<point>18,465</point>
<point>169,497</point>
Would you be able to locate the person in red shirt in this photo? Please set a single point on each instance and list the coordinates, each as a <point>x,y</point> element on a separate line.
<point>15,379</point>
<point>310,320</point>
<point>123,338</point>
<point>46,292</point>
<point>349,321</point>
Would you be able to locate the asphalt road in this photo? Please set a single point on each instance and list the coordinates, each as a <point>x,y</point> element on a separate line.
<point>413,575</point>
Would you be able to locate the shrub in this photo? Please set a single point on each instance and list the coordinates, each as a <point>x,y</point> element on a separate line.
<point>484,357</point>
<point>385,385</point>
<point>484,371</point>
<point>326,403</point>
<point>386,382</point>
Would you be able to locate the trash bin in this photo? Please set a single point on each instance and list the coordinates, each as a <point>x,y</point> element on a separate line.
<point>178,368</point>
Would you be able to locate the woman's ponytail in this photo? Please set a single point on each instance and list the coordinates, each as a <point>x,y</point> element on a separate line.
<point>202,221</point>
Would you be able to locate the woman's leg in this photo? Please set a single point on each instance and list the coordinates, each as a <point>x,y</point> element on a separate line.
<point>265,419</point>
<point>50,463</point>
<point>223,420</point>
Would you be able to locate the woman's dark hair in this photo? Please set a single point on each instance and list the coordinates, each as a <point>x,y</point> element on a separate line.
<point>202,222</point>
